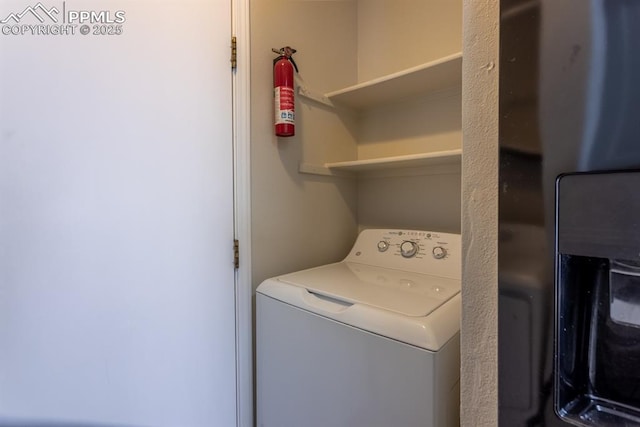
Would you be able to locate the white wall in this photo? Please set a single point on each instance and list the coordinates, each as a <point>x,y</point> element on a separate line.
<point>479,333</point>
<point>301,220</point>
<point>117,304</point>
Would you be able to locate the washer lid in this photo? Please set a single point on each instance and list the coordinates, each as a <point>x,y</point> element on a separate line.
<point>406,293</point>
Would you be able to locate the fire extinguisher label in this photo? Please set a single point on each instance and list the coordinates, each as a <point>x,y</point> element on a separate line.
<point>284,103</point>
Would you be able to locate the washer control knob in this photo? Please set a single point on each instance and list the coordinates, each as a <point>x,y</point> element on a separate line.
<point>439,252</point>
<point>408,249</point>
<point>383,246</point>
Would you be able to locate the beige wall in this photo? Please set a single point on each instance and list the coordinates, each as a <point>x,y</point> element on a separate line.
<point>300,220</point>
<point>397,34</point>
<point>432,123</point>
<point>420,202</point>
<point>479,334</point>
<point>394,35</point>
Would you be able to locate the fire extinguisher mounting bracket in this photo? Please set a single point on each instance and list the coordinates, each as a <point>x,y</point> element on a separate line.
<point>304,91</point>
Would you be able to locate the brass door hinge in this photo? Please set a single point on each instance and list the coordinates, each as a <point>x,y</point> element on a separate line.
<point>236,254</point>
<point>234,53</point>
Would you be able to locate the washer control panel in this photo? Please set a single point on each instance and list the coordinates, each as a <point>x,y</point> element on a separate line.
<point>428,252</point>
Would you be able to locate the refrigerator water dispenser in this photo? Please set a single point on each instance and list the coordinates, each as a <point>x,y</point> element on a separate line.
<point>597,348</point>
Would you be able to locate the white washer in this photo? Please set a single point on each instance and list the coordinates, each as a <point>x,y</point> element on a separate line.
<point>370,341</point>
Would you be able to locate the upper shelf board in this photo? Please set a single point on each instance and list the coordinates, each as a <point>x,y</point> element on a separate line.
<point>440,74</point>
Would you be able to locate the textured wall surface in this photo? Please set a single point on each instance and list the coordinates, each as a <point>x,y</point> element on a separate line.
<point>479,381</point>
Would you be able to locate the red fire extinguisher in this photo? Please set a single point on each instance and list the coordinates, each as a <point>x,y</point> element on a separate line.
<point>283,93</point>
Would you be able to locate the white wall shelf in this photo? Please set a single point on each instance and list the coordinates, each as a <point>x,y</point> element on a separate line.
<point>423,79</point>
<point>406,161</point>
<point>354,167</point>
<point>420,81</point>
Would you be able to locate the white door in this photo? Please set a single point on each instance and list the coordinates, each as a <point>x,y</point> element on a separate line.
<point>116,213</point>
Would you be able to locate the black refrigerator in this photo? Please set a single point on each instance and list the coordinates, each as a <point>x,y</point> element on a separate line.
<point>569,213</point>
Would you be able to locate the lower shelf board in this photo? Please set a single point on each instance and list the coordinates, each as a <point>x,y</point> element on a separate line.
<point>449,160</point>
